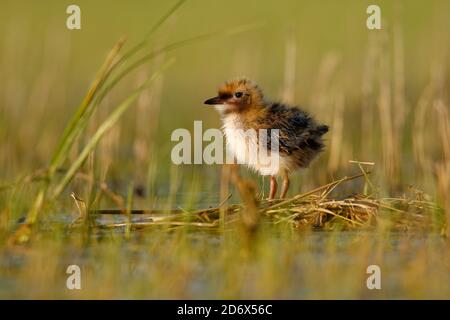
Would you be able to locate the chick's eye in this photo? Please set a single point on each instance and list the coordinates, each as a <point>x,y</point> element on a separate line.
<point>238,94</point>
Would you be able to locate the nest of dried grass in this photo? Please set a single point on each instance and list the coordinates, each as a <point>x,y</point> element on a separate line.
<point>315,209</point>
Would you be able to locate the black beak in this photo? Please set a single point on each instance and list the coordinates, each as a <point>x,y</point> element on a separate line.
<point>215,100</point>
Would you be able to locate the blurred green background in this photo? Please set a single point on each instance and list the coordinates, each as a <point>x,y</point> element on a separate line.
<point>319,54</point>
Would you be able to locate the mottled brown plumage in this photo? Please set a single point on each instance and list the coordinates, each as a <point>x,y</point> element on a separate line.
<point>242,105</point>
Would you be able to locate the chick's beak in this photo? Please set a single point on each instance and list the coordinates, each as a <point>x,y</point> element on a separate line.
<point>214,101</point>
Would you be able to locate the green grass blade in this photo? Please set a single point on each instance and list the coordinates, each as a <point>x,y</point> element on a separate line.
<point>131,52</point>
<point>69,137</point>
<point>167,48</point>
<point>72,130</point>
<point>164,18</point>
<point>108,67</point>
<point>109,122</point>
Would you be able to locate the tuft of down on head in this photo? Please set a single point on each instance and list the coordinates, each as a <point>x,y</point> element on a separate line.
<point>237,95</point>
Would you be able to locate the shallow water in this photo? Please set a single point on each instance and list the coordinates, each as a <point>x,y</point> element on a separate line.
<point>318,265</point>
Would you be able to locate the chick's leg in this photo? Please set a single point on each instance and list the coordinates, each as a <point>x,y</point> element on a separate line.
<point>285,185</point>
<point>273,187</point>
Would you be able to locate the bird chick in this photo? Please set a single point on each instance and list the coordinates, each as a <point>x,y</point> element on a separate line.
<point>242,106</point>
